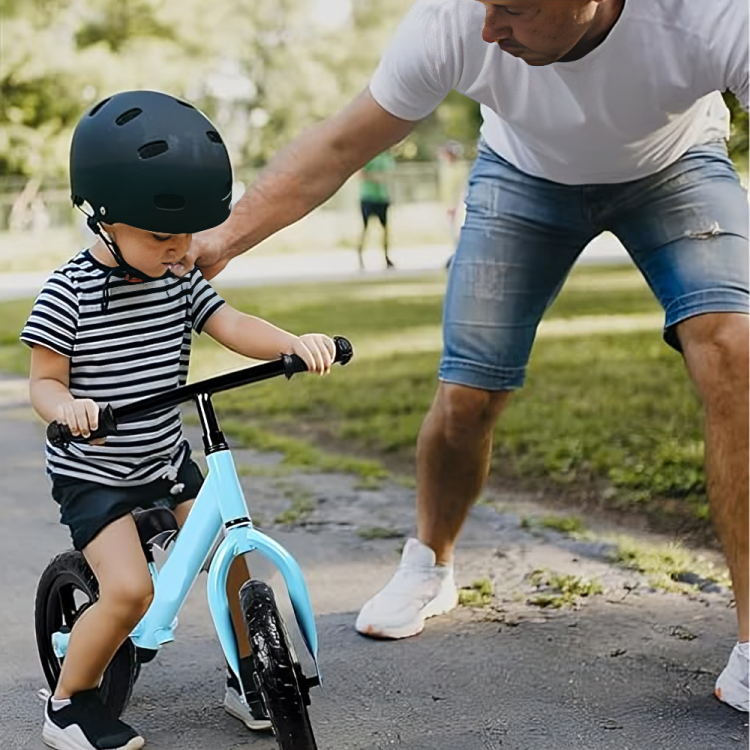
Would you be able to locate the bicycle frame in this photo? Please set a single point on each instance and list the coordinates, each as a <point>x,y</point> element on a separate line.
<point>219,504</point>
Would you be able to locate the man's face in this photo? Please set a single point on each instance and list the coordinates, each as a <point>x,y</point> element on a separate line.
<point>539,32</point>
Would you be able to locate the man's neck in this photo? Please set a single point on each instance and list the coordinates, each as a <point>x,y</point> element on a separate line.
<point>607,15</point>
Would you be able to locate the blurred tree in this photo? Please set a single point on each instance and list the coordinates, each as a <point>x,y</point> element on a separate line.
<point>259,67</point>
<point>117,22</point>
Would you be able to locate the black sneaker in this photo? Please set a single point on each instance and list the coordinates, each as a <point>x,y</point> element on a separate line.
<point>251,712</point>
<point>86,724</point>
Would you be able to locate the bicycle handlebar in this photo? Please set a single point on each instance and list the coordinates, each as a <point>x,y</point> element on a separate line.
<point>59,434</point>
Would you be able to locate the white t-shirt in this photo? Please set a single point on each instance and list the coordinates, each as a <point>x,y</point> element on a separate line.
<point>632,106</point>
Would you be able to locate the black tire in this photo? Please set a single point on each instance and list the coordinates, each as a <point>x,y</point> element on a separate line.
<point>66,589</point>
<point>276,672</point>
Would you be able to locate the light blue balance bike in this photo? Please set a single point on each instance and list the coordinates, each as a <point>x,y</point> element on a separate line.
<point>67,586</point>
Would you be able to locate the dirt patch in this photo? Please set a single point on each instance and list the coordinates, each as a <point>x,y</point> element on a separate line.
<point>592,497</point>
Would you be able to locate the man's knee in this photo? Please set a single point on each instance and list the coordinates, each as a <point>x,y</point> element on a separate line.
<point>716,352</point>
<point>465,410</point>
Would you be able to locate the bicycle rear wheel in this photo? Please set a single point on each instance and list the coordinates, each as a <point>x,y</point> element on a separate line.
<point>66,589</point>
<point>276,672</point>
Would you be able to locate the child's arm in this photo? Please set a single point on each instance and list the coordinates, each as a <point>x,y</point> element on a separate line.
<point>51,396</point>
<point>258,339</point>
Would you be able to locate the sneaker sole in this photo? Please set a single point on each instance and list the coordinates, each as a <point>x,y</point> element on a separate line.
<point>435,608</point>
<point>731,688</point>
<point>236,709</point>
<point>73,738</point>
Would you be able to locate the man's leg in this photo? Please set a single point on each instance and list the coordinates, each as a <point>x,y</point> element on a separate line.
<point>716,353</point>
<point>453,460</point>
<point>520,238</point>
<point>687,229</point>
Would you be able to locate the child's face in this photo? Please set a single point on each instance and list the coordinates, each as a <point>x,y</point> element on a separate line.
<point>154,253</point>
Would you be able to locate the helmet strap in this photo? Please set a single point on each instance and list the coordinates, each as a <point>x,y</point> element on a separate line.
<point>124,269</point>
<point>128,272</point>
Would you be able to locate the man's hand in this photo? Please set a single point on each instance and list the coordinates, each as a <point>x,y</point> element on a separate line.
<point>207,252</point>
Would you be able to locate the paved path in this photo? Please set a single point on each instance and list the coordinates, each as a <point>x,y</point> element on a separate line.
<point>631,670</point>
<point>260,267</point>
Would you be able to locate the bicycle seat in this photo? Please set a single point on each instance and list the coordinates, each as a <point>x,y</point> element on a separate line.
<point>152,523</point>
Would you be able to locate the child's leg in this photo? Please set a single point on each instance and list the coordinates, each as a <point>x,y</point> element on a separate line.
<point>249,710</point>
<point>125,592</point>
<point>238,576</point>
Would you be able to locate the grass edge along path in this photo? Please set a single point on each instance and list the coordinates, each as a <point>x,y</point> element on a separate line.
<point>608,413</point>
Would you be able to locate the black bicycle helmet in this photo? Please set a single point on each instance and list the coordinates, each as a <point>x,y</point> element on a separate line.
<point>152,161</point>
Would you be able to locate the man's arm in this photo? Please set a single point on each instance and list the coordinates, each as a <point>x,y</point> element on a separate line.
<point>302,176</point>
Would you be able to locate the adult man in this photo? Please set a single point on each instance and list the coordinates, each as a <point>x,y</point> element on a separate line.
<point>599,114</point>
<point>374,200</point>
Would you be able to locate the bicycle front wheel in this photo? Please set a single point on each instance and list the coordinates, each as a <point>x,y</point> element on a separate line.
<point>276,673</point>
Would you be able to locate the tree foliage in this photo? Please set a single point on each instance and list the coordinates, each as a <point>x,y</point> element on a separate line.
<point>259,67</point>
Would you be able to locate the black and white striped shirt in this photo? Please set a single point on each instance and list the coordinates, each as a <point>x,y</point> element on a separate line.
<point>138,347</point>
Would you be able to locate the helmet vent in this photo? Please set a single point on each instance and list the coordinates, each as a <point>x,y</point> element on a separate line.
<point>126,117</point>
<point>99,106</point>
<point>152,149</point>
<point>185,104</point>
<point>213,136</point>
<point>169,202</point>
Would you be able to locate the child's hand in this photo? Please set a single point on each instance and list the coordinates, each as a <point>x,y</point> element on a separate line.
<point>316,350</point>
<point>80,415</point>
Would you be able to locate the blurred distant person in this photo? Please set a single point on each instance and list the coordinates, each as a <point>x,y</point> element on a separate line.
<point>374,200</point>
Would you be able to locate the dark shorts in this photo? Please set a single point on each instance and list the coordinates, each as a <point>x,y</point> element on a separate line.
<point>374,208</point>
<point>87,507</point>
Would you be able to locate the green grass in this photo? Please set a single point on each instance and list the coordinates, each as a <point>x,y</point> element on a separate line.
<point>479,594</point>
<point>611,410</point>
<point>664,565</point>
<point>570,525</point>
<point>380,532</point>
<point>562,591</point>
<point>301,509</point>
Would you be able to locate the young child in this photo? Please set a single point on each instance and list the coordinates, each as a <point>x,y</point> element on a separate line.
<point>113,325</point>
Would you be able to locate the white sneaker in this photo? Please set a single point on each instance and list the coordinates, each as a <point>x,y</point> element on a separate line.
<point>733,685</point>
<point>418,590</point>
<point>250,712</point>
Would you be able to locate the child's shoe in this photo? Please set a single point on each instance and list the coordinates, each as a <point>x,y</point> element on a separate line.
<point>85,723</point>
<point>253,713</point>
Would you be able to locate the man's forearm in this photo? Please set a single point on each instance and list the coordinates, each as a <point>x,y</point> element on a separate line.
<point>309,171</point>
<point>301,177</point>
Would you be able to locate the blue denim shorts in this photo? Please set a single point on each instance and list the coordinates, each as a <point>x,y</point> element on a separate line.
<point>686,228</point>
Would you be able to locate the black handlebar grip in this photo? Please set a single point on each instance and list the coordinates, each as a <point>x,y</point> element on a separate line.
<point>59,434</point>
<point>294,364</point>
<point>344,350</point>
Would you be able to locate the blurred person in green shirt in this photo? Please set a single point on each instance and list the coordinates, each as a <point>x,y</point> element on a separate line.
<point>374,199</point>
